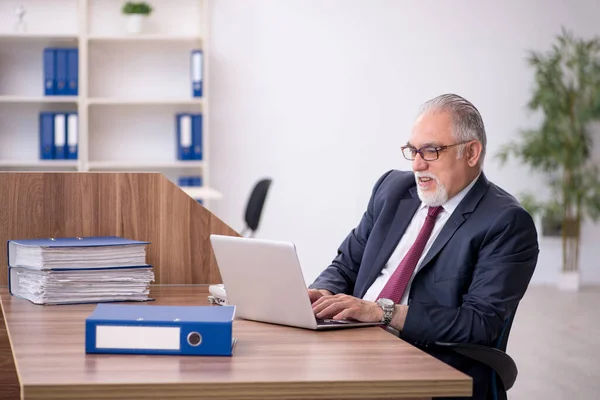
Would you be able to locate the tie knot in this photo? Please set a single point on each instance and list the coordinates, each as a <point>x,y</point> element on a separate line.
<point>434,211</point>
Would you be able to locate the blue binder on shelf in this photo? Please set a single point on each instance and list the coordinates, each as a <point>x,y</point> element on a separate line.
<point>72,133</point>
<point>195,181</point>
<point>46,135</point>
<point>72,72</point>
<point>196,64</point>
<point>197,136</point>
<point>61,72</point>
<point>60,136</point>
<point>49,72</point>
<point>161,330</point>
<point>183,123</point>
<point>190,181</point>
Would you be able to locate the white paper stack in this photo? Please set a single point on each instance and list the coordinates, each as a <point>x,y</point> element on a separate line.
<point>79,270</point>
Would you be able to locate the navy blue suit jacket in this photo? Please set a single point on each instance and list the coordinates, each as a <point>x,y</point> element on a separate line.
<point>470,281</point>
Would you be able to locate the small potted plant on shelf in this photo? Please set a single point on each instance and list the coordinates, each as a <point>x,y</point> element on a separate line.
<point>136,12</point>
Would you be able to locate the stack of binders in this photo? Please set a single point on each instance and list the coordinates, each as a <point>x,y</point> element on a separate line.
<point>58,136</point>
<point>189,136</point>
<point>191,181</point>
<point>61,72</point>
<point>79,270</point>
<point>195,181</point>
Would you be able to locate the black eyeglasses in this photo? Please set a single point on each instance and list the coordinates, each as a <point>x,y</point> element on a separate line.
<point>428,153</point>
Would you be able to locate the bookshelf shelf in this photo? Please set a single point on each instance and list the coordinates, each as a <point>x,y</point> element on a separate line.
<point>39,99</point>
<point>142,101</point>
<point>24,37</point>
<point>144,38</point>
<point>141,165</point>
<point>130,87</point>
<point>42,164</point>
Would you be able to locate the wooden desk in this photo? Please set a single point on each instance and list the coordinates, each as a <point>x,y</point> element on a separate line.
<point>269,361</point>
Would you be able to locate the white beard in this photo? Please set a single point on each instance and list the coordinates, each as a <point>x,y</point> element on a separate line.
<point>437,198</point>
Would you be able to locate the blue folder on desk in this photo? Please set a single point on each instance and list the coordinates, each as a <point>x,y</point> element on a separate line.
<point>167,330</point>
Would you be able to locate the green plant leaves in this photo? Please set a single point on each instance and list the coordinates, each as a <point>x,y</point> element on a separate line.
<point>142,8</point>
<point>566,91</point>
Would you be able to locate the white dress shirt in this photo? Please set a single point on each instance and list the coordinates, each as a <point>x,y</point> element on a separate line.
<point>407,240</point>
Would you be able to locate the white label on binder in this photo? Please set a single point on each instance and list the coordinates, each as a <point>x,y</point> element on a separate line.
<point>186,131</point>
<point>196,67</point>
<point>59,130</point>
<point>72,131</point>
<point>137,337</point>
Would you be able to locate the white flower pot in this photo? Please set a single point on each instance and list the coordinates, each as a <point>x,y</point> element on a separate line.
<point>135,23</point>
<point>568,281</point>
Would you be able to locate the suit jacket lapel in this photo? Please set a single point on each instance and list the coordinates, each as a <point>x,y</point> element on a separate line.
<point>404,214</point>
<point>465,207</point>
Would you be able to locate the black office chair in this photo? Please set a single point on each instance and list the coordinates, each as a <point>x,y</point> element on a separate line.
<point>504,369</point>
<point>255,206</point>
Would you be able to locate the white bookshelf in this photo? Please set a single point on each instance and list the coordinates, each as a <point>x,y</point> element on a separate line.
<point>130,86</point>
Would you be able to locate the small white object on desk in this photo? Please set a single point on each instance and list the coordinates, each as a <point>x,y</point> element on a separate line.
<point>199,192</point>
<point>217,295</point>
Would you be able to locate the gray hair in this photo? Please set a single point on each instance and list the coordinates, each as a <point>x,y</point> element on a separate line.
<point>467,123</point>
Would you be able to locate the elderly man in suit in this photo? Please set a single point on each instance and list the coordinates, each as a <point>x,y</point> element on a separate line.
<point>441,253</point>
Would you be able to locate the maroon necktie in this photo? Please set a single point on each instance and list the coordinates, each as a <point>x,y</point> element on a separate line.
<point>396,285</point>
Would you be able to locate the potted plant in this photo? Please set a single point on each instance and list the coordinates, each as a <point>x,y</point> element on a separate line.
<point>136,12</point>
<point>567,94</point>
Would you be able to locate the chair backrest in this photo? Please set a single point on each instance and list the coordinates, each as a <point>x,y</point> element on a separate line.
<point>256,202</point>
<point>510,375</point>
<point>502,341</point>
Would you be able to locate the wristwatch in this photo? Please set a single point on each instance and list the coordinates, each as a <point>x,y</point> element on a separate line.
<point>388,307</point>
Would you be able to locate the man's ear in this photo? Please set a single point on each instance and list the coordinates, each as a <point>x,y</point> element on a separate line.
<point>473,151</point>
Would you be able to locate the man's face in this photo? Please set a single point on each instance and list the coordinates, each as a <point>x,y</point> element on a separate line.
<point>440,179</point>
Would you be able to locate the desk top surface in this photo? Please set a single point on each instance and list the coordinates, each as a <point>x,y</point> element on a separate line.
<point>269,361</point>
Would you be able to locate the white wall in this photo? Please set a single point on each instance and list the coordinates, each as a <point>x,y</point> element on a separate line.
<point>320,95</point>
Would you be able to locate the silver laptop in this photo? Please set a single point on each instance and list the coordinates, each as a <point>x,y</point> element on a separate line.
<point>264,280</point>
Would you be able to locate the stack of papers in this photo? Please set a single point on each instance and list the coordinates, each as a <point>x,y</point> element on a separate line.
<point>79,270</point>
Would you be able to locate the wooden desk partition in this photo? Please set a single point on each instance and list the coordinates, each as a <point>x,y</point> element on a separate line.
<point>141,206</point>
<point>269,361</point>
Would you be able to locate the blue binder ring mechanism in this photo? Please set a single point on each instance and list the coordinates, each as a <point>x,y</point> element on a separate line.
<point>161,330</point>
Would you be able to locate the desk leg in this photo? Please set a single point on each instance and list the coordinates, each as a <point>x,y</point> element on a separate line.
<point>9,381</point>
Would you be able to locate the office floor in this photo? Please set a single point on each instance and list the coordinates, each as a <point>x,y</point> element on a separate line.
<point>555,341</point>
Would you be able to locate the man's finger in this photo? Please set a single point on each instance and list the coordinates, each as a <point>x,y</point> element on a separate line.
<point>314,295</point>
<point>323,303</point>
<point>331,310</point>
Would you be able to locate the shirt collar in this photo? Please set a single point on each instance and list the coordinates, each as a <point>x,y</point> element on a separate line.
<point>451,204</point>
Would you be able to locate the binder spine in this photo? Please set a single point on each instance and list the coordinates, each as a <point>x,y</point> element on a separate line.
<point>72,88</point>
<point>61,72</point>
<point>158,337</point>
<point>72,136</point>
<point>197,136</point>
<point>46,136</point>
<point>60,136</point>
<point>184,136</point>
<point>196,72</point>
<point>49,72</point>
<point>184,181</point>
